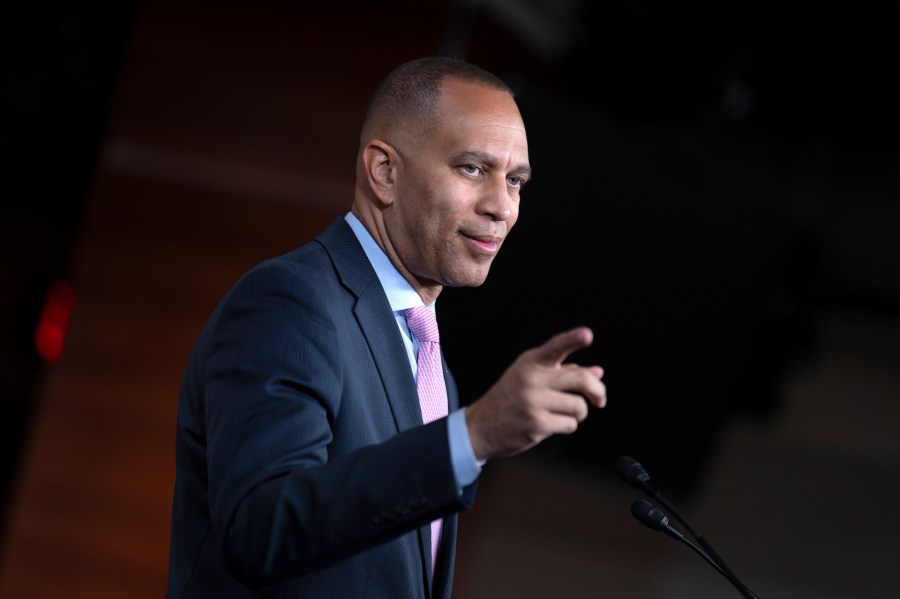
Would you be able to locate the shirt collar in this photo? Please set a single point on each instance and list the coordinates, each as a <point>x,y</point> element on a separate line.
<point>400,293</point>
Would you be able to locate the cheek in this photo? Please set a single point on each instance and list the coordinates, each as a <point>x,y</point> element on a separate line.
<point>424,227</point>
<point>435,227</point>
<point>513,215</point>
<point>438,212</point>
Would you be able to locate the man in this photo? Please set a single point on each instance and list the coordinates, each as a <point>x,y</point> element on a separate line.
<point>303,467</point>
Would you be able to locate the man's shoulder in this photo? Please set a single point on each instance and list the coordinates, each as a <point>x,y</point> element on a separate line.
<point>314,252</point>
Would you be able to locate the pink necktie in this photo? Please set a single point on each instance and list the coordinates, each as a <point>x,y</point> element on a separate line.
<point>429,383</point>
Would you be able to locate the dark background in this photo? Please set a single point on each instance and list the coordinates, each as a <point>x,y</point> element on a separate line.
<point>713,182</point>
<point>696,165</point>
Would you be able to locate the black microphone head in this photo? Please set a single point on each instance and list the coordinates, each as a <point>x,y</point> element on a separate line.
<point>631,471</point>
<point>649,515</point>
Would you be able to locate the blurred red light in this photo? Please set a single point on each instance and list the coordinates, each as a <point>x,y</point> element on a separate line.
<point>49,337</point>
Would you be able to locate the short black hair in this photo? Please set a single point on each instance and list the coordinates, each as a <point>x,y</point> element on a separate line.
<point>411,91</point>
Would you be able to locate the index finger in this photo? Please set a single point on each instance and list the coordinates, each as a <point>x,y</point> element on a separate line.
<point>562,345</point>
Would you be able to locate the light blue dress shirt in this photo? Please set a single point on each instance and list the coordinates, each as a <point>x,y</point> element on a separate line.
<point>401,296</point>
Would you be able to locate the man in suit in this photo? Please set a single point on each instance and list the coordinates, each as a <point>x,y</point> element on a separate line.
<point>303,467</point>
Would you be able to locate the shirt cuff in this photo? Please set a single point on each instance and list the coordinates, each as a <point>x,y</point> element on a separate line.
<point>465,466</point>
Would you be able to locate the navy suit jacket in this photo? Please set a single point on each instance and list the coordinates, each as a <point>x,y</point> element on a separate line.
<point>303,468</point>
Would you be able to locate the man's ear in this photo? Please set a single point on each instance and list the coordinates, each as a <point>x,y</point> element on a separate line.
<point>380,162</point>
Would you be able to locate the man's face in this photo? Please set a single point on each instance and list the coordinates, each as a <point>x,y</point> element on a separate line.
<point>458,189</point>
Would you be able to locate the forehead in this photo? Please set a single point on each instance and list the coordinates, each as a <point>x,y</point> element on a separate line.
<point>473,114</point>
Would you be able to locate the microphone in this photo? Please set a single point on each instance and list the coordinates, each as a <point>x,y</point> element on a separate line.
<point>633,473</point>
<point>652,517</point>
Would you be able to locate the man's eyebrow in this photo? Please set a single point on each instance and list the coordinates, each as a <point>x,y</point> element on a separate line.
<point>475,156</point>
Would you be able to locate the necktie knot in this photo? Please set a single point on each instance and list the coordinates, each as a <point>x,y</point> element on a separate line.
<point>423,324</point>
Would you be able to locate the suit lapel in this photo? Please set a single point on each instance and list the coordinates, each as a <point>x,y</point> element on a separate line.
<point>376,320</point>
<point>452,392</point>
<point>378,325</point>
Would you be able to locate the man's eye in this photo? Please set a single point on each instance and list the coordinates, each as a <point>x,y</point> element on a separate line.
<point>471,169</point>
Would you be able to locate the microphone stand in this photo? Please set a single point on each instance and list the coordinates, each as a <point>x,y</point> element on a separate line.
<point>728,572</point>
